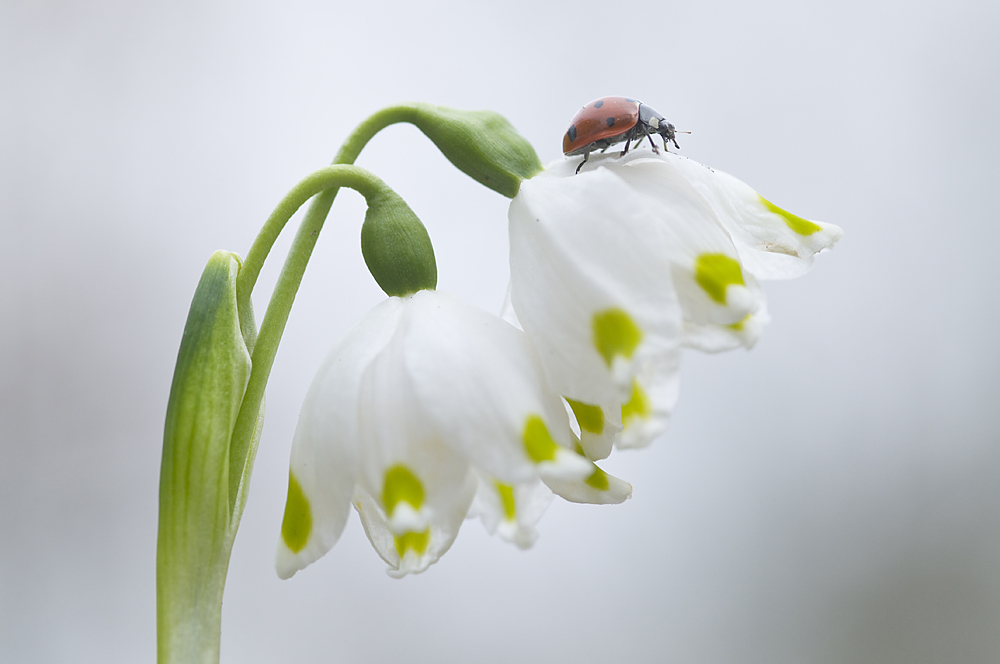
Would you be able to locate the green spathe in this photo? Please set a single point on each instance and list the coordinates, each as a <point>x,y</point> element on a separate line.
<point>396,247</point>
<point>198,516</point>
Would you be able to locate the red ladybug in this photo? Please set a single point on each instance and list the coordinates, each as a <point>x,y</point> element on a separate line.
<point>609,120</point>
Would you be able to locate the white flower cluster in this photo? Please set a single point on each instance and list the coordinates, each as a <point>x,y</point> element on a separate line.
<point>429,409</point>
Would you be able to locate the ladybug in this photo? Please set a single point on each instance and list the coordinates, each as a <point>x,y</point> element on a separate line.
<point>609,120</point>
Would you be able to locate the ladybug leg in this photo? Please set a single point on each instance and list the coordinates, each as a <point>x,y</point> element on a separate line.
<point>625,151</point>
<point>653,145</point>
<point>586,155</point>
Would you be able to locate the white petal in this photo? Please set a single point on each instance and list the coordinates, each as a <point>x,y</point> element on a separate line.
<point>324,450</point>
<point>376,527</point>
<point>444,522</point>
<point>511,511</point>
<point>481,383</point>
<point>713,338</point>
<point>421,486</point>
<point>597,427</point>
<point>773,243</point>
<point>654,394</point>
<point>706,269</point>
<point>596,488</point>
<point>507,312</point>
<point>581,247</point>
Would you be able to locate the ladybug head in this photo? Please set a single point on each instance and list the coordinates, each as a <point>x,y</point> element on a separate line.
<point>667,131</point>
<point>657,124</point>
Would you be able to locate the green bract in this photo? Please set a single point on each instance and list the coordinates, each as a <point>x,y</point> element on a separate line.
<point>198,516</point>
<point>396,246</point>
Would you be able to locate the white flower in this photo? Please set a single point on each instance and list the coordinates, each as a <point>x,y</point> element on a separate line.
<point>615,269</point>
<point>423,403</point>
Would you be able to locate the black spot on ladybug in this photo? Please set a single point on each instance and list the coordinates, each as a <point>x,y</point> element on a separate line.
<point>611,122</point>
<point>571,133</point>
<point>599,103</point>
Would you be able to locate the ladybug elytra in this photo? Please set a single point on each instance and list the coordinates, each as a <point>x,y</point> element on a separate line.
<point>610,120</point>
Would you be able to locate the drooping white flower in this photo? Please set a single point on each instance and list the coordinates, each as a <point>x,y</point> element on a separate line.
<point>615,269</point>
<point>423,403</point>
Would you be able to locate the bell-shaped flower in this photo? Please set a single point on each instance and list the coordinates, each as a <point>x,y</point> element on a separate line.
<point>615,269</point>
<point>421,404</point>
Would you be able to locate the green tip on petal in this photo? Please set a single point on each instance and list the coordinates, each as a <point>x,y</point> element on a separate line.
<point>590,418</point>
<point>638,404</point>
<point>598,480</point>
<point>796,223</point>
<point>615,333</point>
<point>538,442</point>
<point>296,526</point>
<point>740,324</point>
<point>714,272</point>
<point>401,485</point>
<point>416,542</point>
<point>507,498</point>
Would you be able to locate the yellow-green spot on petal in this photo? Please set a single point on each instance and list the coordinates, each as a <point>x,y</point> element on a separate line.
<point>590,418</point>
<point>507,498</point>
<point>638,404</point>
<point>598,480</point>
<point>714,272</point>
<point>796,223</point>
<point>416,542</point>
<point>537,441</point>
<point>738,325</point>
<point>401,486</point>
<point>297,522</point>
<point>615,333</point>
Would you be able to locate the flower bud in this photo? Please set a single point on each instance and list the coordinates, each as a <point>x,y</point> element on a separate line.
<point>396,246</point>
<point>481,144</point>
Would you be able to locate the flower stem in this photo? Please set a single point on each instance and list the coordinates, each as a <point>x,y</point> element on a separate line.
<point>324,185</point>
<point>320,207</point>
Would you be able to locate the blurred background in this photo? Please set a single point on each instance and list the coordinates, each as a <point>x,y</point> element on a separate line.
<point>831,496</point>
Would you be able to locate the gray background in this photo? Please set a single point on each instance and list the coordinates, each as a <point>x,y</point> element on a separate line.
<point>831,496</point>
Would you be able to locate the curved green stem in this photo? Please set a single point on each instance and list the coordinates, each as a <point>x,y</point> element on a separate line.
<point>326,182</point>
<point>320,207</point>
